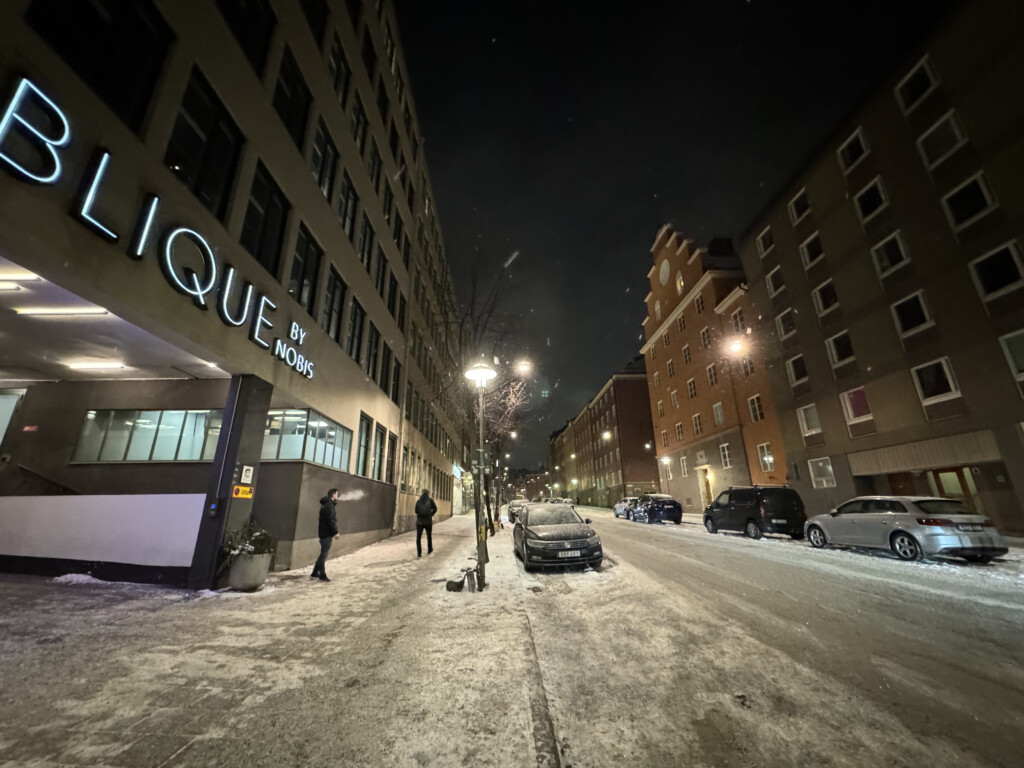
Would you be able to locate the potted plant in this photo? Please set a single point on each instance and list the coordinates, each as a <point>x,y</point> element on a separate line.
<point>246,554</point>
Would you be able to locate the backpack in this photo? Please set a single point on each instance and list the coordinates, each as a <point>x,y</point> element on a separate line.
<point>423,507</point>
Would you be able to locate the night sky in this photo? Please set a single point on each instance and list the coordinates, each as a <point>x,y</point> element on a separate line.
<point>570,131</point>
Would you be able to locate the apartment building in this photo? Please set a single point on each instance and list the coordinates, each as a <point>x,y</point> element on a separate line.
<point>222,281</point>
<point>712,409</point>
<point>606,451</point>
<point>892,272</point>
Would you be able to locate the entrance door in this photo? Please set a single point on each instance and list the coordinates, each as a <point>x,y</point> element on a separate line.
<point>956,483</point>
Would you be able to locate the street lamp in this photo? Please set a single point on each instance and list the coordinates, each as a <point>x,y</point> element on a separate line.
<point>523,367</point>
<point>480,374</point>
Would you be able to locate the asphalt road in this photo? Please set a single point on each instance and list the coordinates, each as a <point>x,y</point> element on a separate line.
<point>934,650</point>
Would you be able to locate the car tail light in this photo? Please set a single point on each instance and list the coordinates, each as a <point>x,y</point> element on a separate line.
<point>936,521</point>
<point>764,512</point>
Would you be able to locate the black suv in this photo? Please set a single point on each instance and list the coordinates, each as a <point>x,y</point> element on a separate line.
<point>757,510</point>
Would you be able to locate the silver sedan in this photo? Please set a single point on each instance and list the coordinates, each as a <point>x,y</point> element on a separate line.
<point>913,527</point>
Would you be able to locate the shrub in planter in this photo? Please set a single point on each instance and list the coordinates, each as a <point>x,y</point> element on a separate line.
<point>246,554</point>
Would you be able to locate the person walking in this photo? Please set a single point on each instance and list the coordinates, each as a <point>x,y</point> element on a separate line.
<point>425,509</point>
<point>327,530</point>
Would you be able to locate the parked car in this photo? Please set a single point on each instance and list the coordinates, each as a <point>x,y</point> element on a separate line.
<point>622,506</point>
<point>554,534</point>
<point>656,507</point>
<point>757,510</point>
<point>914,527</point>
<point>514,509</point>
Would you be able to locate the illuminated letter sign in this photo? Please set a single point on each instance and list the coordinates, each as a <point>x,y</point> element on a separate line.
<point>189,283</point>
<point>14,120</point>
<point>85,209</point>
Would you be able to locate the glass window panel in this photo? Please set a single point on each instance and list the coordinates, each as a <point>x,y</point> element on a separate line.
<point>168,435</point>
<point>143,434</point>
<point>193,436</point>
<point>94,428</point>
<point>344,443</point>
<point>117,435</point>
<point>293,434</point>
<point>214,420</point>
<point>272,434</point>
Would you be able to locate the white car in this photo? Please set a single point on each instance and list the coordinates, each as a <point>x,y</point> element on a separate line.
<point>914,527</point>
<point>621,508</point>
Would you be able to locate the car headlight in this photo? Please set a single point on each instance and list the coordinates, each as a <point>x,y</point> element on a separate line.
<point>593,541</point>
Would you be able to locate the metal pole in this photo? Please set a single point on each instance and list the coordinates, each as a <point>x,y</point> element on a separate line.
<point>481,532</point>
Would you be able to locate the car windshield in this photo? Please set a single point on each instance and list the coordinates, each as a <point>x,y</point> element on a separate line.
<point>944,507</point>
<point>553,516</point>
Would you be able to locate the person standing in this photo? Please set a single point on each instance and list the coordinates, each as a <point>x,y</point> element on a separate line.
<point>425,509</point>
<point>327,530</point>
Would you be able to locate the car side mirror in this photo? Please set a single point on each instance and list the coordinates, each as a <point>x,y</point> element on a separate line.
<point>586,520</point>
<point>834,513</point>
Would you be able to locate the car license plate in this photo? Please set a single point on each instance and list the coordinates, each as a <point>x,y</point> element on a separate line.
<point>570,553</point>
<point>779,522</point>
<point>971,527</point>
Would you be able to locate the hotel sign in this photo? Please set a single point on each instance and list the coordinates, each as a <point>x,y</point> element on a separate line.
<point>34,131</point>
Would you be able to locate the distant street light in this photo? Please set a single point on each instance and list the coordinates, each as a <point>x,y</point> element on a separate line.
<point>513,434</point>
<point>607,435</point>
<point>508,456</point>
<point>523,367</point>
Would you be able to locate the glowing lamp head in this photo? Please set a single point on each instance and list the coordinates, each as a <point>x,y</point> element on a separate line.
<point>736,347</point>
<point>665,460</point>
<point>523,367</point>
<point>607,435</point>
<point>481,373</point>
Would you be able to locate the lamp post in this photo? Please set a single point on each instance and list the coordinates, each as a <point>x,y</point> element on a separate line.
<point>480,374</point>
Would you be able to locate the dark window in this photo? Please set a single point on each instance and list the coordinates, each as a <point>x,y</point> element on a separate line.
<point>968,201</point>
<point>842,347</point>
<point>415,147</point>
<point>797,369</point>
<point>204,146</point>
<point>355,11</point>
<point>406,247</point>
<point>393,140</point>
<point>365,246</point>
<point>325,160</point>
<point>852,151</point>
<point>358,125</point>
<point>401,312</point>
<point>334,305</point>
<point>363,450</point>
<point>372,351</point>
<point>354,342</point>
<point>388,202</point>
<point>870,200</point>
<point>998,270</point>
<point>412,199</point>
<point>263,228</point>
<point>374,166</point>
<point>399,228</point>
<point>369,55</point>
<point>292,98</point>
<point>910,313</point>
<point>252,23</point>
<point>305,268</point>
<point>825,297</point>
<point>915,86</point>
<point>339,70</point>
<point>380,275</point>
<point>386,358</point>
<point>316,15</point>
<point>348,201</point>
<point>889,254</point>
<point>380,436</point>
<point>383,101</point>
<point>392,447</point>
<point>392,294</point>
<point>116,46</point>
<point>799,206</point>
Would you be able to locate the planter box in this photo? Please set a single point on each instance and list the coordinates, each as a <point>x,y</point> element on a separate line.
<point>248,572</point>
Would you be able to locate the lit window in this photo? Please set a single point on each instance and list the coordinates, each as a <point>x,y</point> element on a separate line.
<point>969,202</point>
<point>998,272</point>
<point>821,473</point>
<point>799,207</point>
<point>852,151</point>
<point>935,381</point>
<point>764,453</point>
<point>870,200</point>
<point>811,250</point>
<point>941,140</point>
<point>855,405</point>
<point>130,435</point>
<point>915,86</point>
<point>890,254</point>
<point>765,242</point>
<point>808,418</point>
<point>911,315</point>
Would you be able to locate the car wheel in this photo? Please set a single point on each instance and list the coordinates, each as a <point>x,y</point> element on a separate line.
<point>817,537</point>
<point>980,559</point>
<point>629,516</point>
<point>752,530</point>
<point>710,525</point>
<point>678,522</point>
<point>906,547</point>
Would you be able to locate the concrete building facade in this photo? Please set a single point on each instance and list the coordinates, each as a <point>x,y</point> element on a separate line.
<point>606,452</point>
<point>891,269</point>
<point>712,409</point>
<point>220,279</point>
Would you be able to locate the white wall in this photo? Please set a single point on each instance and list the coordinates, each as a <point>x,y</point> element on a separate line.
<point>147,529</point>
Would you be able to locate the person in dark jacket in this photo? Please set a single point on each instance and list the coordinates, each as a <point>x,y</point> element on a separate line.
<point>425,509</point>
<point>327,530</point>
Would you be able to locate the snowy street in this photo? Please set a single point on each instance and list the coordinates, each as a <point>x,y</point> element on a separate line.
<point>684,649</point>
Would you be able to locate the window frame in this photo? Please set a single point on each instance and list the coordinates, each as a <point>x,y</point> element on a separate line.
<point>816,298</point>
<point>712,374</point>
<point>766,453</point>
<point>759,414</point>
<point>947,368</point>
<point>958,130</point>
<point>791,376</point>
<point>934,83</point>
<point>828,481</point>
<point>859,135</point>
<point>929,319</point>
<point>990,198</point>
<point>1018,260</point>
<point>691,388</point>
<point>801,419</point>
<point>698,428</point>
<point>772,291</point>
<point>725,455</point>
<point>844,401</point>
<point>793,216</point>
<point>831,350</point>
<point>761,250</point>
<point>778,324</point>
<point>1003,342</point>
<point>877,181</point>
<point>805,260</point>
<point>896,235</point>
